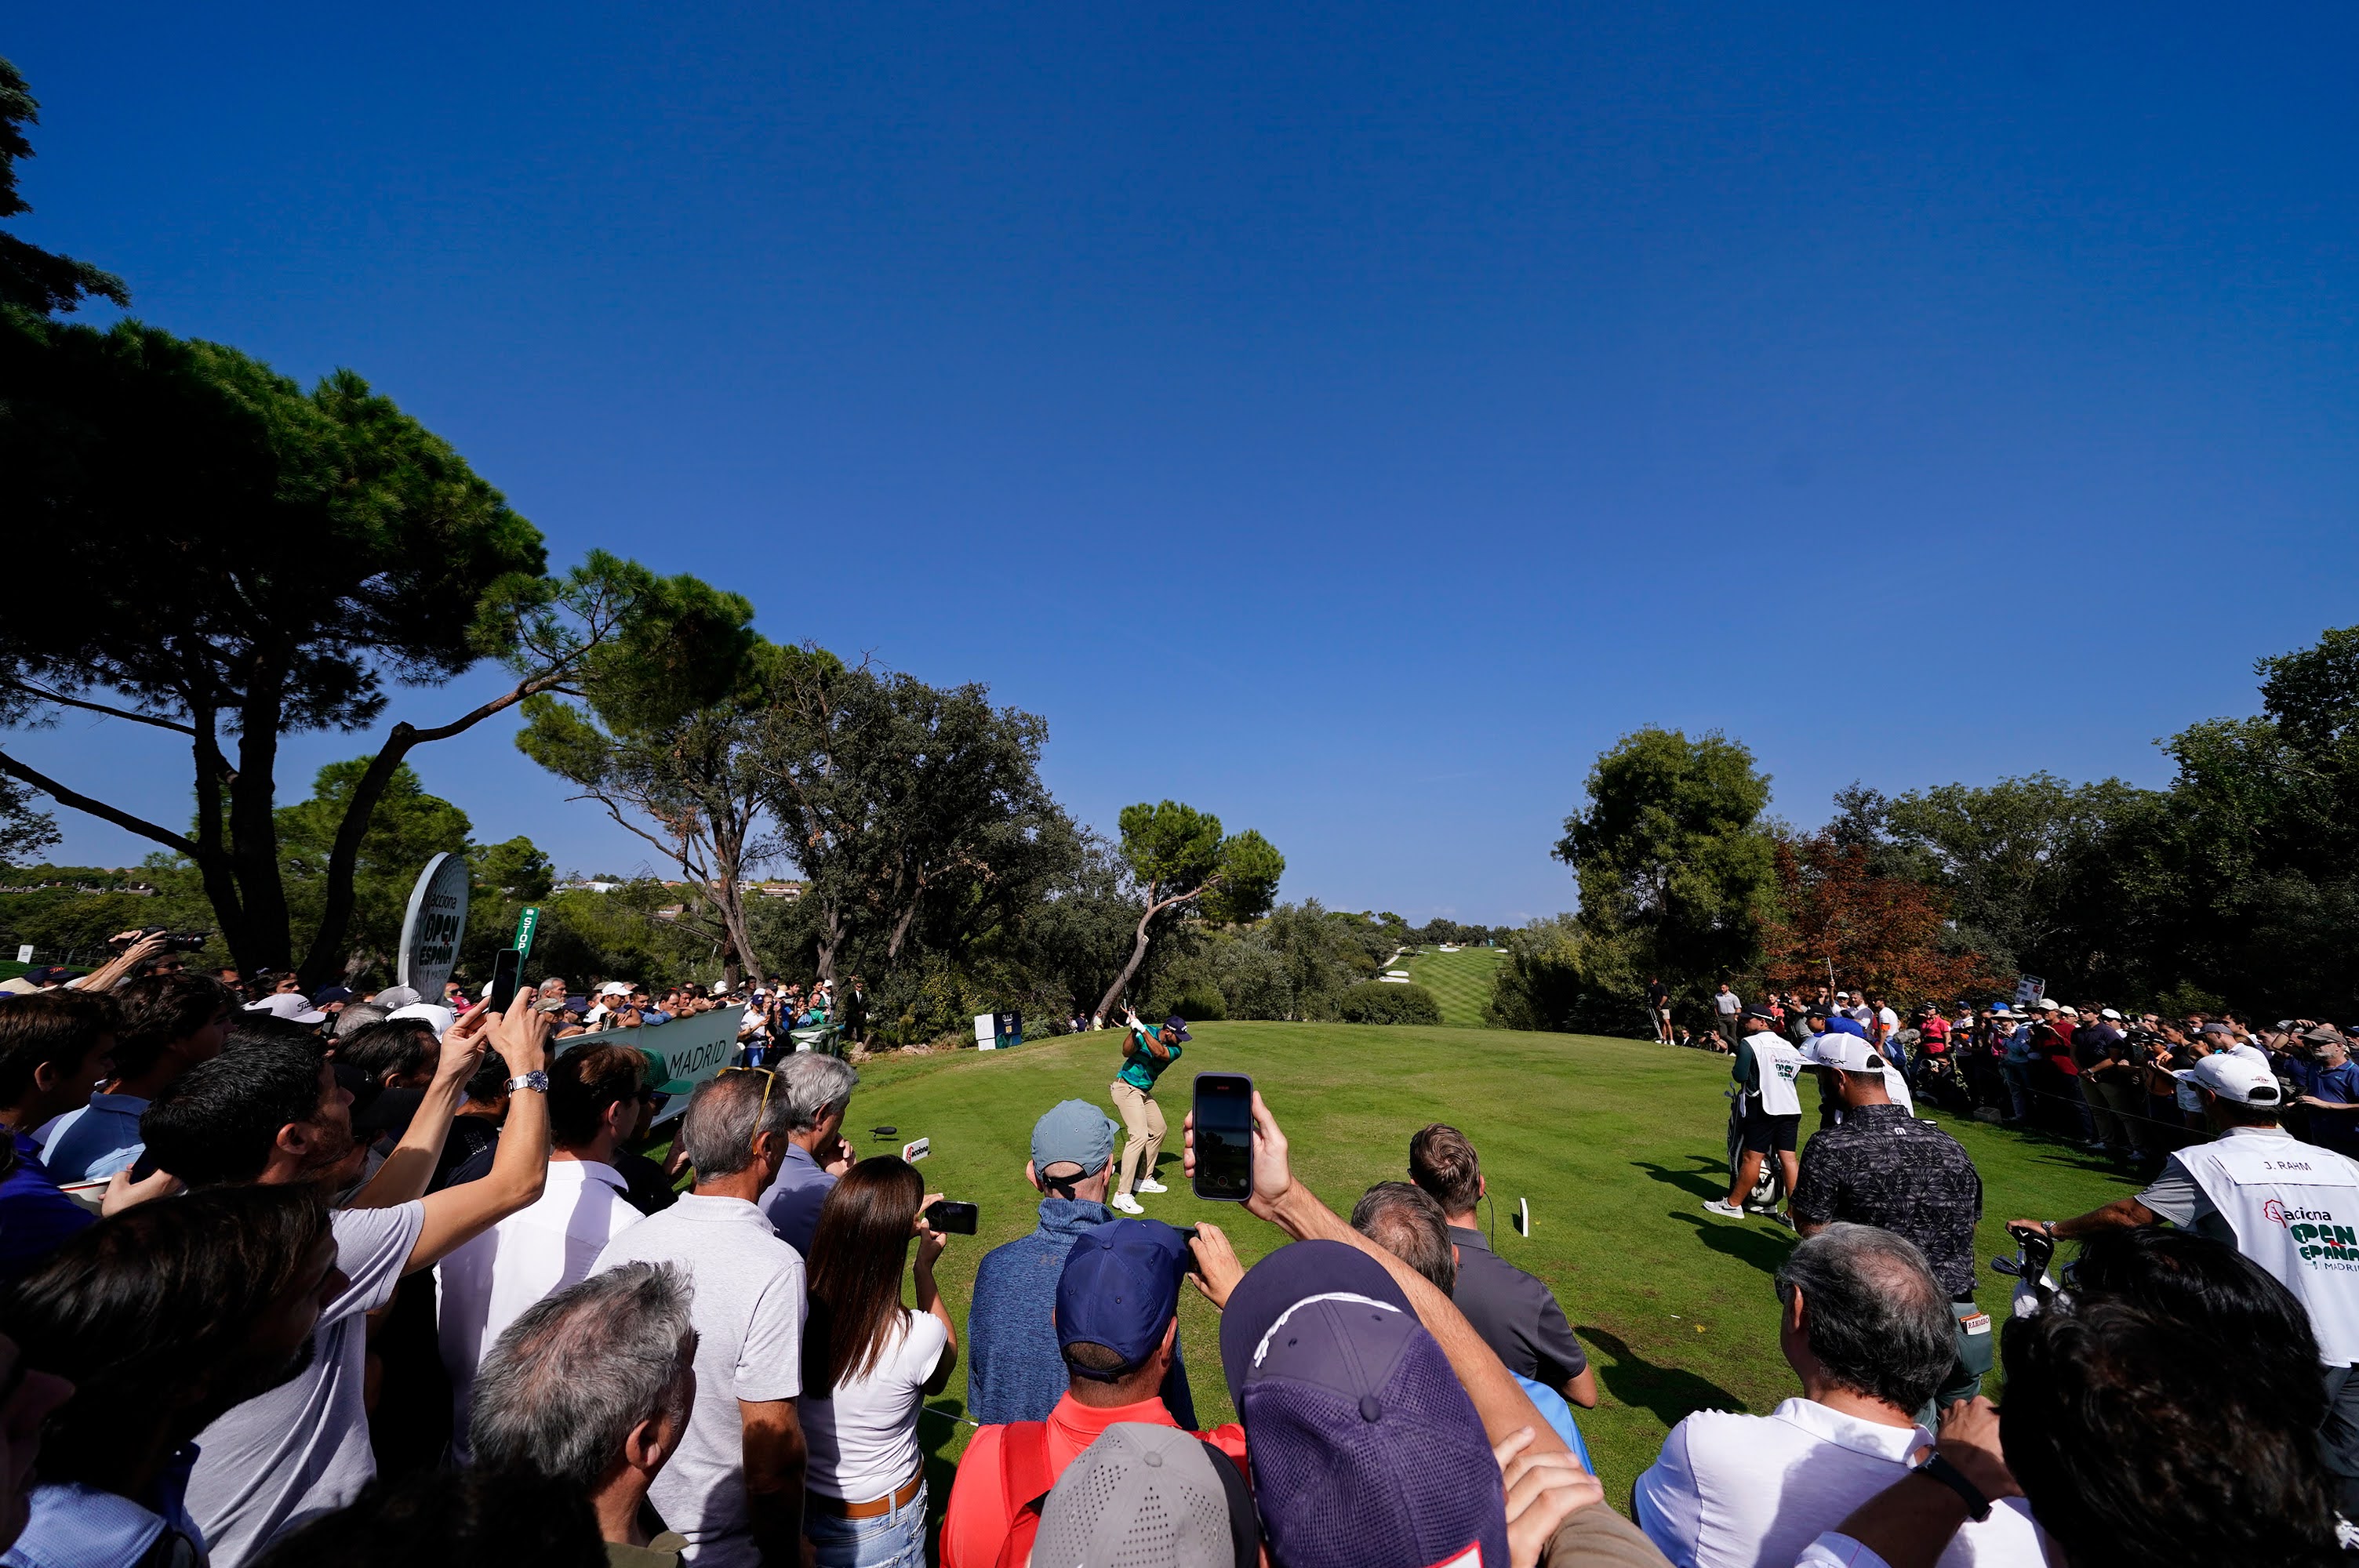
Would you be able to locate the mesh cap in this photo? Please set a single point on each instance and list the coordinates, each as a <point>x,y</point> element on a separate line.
<point>1147,1496</point>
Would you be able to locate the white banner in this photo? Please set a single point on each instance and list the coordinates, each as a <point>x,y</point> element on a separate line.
<point>430,930</point>
<point>680,1055</point>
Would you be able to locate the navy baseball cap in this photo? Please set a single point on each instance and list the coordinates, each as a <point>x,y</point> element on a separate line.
<point>1179,1026</point>
<point>1837,1023</point>
<point>1119,1289</point>
<point>1365,1450</point>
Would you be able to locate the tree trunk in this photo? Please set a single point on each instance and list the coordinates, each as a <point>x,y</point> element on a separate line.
<point>1138,951</point>
<point>343,858</point>
<point>831,938</point>
<point>254,833</point>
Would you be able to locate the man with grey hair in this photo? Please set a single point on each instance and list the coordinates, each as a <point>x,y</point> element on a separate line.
<point>591,1387</point>
<point>1867,1327</point>
<point>817,1090</point>
<point>735,1489</point>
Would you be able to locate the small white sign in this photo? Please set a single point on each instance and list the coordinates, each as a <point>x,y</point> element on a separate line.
<point>25,954</point>
<point>916,1149</point>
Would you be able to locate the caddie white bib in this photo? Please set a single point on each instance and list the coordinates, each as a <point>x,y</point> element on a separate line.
<point>1777,1065</point>
<point>2295,1209</point>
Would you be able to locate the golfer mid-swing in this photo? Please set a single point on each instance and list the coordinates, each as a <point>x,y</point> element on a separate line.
<point>1146,1053</point>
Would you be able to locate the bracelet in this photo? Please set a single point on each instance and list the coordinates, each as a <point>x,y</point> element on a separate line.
<point>1978,1507</point>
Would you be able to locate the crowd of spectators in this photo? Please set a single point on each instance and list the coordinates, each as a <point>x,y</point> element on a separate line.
<point>295,1279</point>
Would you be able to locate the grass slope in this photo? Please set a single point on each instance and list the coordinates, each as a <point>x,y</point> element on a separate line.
<point>1616,1143</point>
<point>1462,982</point>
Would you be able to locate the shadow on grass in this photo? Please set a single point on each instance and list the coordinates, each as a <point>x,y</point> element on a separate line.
<point>1670,1394</point>
<point>935,1434</point>
<point>1709,1179</point>
<point>1745,1242</point>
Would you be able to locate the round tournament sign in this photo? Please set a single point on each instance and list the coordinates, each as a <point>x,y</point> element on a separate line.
<point>430,931</point>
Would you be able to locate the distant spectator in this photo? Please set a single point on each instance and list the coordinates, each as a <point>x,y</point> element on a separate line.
<point>591,1387</point>
<point>551,1243</point>
<point>1014,1370</point>
<point>55,1049</point>
<point>170,1023</point>
<point>734,1489</point>
<point>868,1364</point>
<point>1658,1008</point>
<point>1726,1005</point>
<point>1867,1329</point>
<point>1117,1319</point>
<point>163,1318</point>
<point>1516,1312</point>
<point>816,1091</point>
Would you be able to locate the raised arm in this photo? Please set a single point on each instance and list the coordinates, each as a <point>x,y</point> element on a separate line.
<point>410,1166</point>
<point>456,1215</point>
<point>1504,1409</point>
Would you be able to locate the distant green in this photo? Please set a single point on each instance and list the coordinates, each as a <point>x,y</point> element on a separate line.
<point>1461,981</point>
<point>1616,1144</point>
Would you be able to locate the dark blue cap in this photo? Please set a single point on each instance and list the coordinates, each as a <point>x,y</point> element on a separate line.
<point>1365,1450</point>
<point>1177,1025</point>
<point>1837,1023</point>
<point>327,994</point>
<point>1120,1289</point>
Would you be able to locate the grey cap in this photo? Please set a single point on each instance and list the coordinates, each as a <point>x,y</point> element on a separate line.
<point>1074,1132</point>
<point>1144,1496</point>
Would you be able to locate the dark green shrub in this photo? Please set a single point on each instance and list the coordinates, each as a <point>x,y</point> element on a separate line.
<point>1378,1001</point>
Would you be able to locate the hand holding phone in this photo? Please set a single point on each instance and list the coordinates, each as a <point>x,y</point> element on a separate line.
<point>947,1216</point>
<point>508,965</point>
<point>1222,1125</point>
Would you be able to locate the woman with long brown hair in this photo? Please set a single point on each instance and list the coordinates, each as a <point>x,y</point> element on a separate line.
<point>868,1364</point>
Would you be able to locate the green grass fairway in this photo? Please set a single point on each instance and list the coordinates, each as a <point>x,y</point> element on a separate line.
<point>1461,982</point>
<point>1616,1143</point>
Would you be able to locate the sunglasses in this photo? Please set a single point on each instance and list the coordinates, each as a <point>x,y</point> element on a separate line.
<point>769,1079</point>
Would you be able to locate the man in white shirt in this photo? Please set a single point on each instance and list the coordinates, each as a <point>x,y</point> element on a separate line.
<point>1869,1332</point>
<point>734,1487</point>
<point>269,1110</point>
<point>594,1104</point>
<point>2290,1206</point>
<point>1725,1006</point>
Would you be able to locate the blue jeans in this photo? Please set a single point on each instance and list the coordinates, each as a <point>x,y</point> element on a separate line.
<point>897,1540</point>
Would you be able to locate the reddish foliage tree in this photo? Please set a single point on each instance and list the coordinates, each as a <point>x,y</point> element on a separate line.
<point>1885,933</point>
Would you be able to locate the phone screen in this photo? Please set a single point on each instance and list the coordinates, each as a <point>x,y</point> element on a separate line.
<point>952,1217</point>
<point>1223,1137</point>
<point>506,964</point>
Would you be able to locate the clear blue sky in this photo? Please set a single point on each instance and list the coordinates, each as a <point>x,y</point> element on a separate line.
<point>1346,419</point>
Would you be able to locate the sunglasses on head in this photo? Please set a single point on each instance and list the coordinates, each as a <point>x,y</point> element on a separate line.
<point>768,1078</point>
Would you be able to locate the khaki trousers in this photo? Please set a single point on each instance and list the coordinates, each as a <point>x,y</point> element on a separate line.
<point>1143,1119</point>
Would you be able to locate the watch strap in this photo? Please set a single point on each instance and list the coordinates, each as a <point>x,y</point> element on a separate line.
<point>1978,1507</point>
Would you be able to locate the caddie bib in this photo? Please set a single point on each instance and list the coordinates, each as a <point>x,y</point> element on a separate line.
<point>2295,1209</point>
<point>1777,1065</point>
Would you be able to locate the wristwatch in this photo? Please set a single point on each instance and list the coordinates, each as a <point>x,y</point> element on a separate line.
<point>1978,1507</point>
<point>536,1080</point>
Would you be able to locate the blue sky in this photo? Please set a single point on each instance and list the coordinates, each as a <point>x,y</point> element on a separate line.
<point>1347,419</point>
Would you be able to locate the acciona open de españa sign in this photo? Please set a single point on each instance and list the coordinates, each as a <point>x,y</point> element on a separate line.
<point>430,931</point>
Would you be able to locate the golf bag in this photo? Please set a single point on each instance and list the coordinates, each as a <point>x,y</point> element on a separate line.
<point>1768,1188</point>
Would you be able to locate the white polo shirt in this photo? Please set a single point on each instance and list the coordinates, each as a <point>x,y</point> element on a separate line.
<point>537,1251</point>
<point>1746,1491</point>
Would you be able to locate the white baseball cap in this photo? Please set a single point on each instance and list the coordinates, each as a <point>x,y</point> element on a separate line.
<point>434,1013</point>
<point>289,1005</point>
<point>1848,1051</point>
<point>2236,1078</point>
<point>2049,1004</point>
<point>616,988</point>
<point>2108,1012</point>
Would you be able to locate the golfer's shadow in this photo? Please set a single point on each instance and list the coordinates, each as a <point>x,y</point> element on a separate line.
<point>1671,1393</point>
<point>1708,1180</point>
<point>1743,1240</point>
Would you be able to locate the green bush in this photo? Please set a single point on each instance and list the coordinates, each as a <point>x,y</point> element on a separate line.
<point>1201,1003</point>
<point>1378,1001</point>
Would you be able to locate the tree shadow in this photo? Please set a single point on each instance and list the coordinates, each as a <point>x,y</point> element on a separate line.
<point>1747,1243</point>
<point>1670,1393</point>
<point>1709,1179</point>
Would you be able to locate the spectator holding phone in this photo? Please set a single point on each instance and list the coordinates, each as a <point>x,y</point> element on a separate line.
<point>868,1364</point>
<point>1146,1053</point>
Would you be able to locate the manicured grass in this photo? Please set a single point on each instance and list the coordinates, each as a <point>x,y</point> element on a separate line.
<point>1616,1142</point>
<point>1462,982</point>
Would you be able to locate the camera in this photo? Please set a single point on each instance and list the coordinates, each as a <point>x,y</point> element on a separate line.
<point>175,942</point>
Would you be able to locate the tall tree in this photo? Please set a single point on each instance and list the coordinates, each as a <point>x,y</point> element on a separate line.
<point>1674,865</point>
<point>895,796</point>
<point>676,762</point>
<point>1182,868</point>
<point>407,828</point>
<point>34,281</point>
<point>322,546</point>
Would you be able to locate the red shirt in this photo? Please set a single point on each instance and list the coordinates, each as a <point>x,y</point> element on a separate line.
<point>975,1524</point>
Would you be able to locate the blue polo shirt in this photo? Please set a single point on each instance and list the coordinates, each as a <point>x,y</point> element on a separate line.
<point>792,1203</point>
<point>69,1525</point>
<point>93,1143</point>
<point>35,1219</point>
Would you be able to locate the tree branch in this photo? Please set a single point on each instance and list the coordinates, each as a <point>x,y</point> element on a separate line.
<point>109,709</point>
<point>98,808</point>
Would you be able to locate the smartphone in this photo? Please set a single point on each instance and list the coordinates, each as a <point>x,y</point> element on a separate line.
<point>1223,1137</point>
<point>507,964</point>
<point>950,1216</point>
